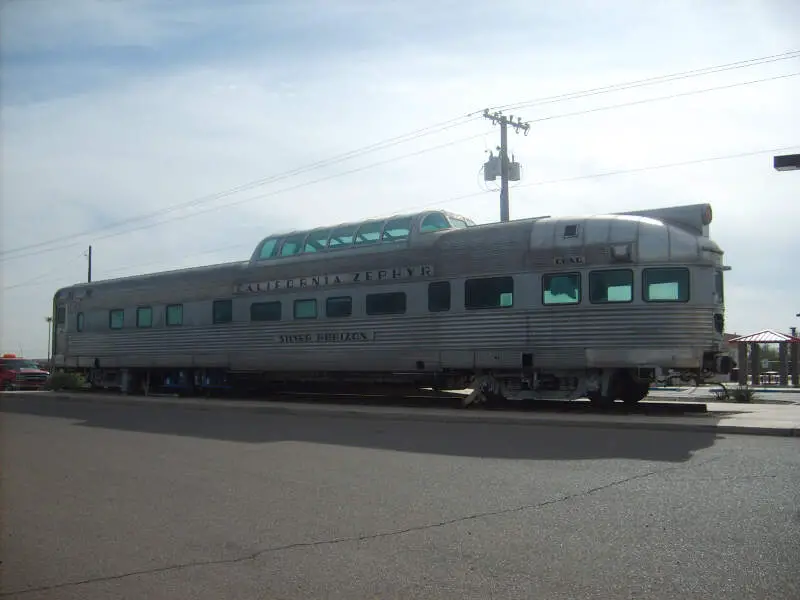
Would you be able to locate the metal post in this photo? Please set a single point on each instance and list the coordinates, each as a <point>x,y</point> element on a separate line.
<point>784,363</point>
<point>90,265</point>
<point>755,366</point>
<point>742,360</point>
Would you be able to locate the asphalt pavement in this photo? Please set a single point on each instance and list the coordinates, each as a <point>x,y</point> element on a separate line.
<point>138,501</point>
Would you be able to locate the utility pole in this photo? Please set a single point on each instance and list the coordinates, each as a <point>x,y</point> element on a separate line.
<point>508,171</point>
<point>90,264</point>
<point>49,331</point>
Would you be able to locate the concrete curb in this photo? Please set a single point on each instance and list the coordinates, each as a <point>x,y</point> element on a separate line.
<point>780,390</point>
<point>431,415</point>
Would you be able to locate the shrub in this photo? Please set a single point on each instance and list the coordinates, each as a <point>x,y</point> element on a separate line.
<point>65,381</point>
<point>743,394</point>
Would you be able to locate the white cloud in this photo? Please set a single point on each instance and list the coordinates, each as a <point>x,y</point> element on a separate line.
<point>149,138</point>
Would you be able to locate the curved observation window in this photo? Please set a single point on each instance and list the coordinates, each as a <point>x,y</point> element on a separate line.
<point>369,233</point>
<point>268,249</point>
<point>434,222</point>
<point>396,230</point>
<point>341,237</point>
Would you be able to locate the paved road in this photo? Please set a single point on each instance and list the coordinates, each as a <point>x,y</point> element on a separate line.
<point>142,502</point>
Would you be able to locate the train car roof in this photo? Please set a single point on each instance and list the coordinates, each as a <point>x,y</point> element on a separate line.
<point>693,219</point>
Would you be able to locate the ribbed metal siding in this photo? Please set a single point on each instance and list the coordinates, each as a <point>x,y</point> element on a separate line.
<point>555,339</point>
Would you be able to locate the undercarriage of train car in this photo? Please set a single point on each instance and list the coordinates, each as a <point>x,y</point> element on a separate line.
<point>601,386</point>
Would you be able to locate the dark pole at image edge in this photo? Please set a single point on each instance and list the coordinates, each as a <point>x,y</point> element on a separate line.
<point>786,162</point>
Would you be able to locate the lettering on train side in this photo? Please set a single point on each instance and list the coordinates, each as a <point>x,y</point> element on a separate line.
<point>318,281</point>
<point>327,337</point>
<point>569,260</point>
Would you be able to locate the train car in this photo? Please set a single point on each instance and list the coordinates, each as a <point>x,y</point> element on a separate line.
<point>595,306</point>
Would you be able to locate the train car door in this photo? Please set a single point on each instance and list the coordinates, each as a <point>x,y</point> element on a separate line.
<point>59,332</point>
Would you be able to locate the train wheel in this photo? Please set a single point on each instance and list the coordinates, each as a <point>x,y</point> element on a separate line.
<point>632,390</point>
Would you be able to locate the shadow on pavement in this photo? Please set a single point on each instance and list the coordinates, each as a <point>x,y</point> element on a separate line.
<point>484,440</point>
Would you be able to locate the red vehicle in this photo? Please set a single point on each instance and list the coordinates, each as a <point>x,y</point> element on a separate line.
<point>20,374</point>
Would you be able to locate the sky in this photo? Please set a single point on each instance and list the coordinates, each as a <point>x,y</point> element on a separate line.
<point>178,134</point>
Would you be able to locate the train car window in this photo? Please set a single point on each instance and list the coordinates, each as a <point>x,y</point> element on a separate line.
<point>265,311</point>
<point>343,236</point>
<point>268,249</point>
<point>492,292</point>
<point>222,311</point>
<point>338,306</point>
<point>61,315</point>
<point>397,230</point>
<point>305,309</point>
<point>292,245</point>
<point>434,222</point>
<point>174,315</point>
<point>369,233</point>
<point>116,318</point>
<point>390,303</point>
<point>611,286</point>
<point>439,296</point>
<point>316,241</point>
<point>561,288</point>
<point>79,322</point>
<point>719,286</point>
<point>666,285</point>
<point>144,316</point>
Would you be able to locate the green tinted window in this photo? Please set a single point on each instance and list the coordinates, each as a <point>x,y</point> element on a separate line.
<point>611,286</point>
<point>369,233</point>
<point>265,311</point>
<point>116,318</point>
<point>144,316</point>
<point>175,314</point>
<point>666,285</point>
<point>339,306</point>
<point>305,309</point>
<point>341,237</point>
<point>222,311</point>
<point>268,248</point>
<point>561,288</point>
<point>491,292</point>
<point>397,230</point>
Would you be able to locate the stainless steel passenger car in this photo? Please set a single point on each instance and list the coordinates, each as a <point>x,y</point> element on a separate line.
<point>595,306</point>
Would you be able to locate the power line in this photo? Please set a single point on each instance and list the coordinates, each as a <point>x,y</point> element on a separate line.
<point>436,128</point>
<point>753,62</point>
<point>39,279</point>
<point>419,133</point>
<point>252,198</point>
<point>386,161</point>
<point>660,98</point>
<point>431,129</point>
<point>36,280</point>
<point>599,175</point>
